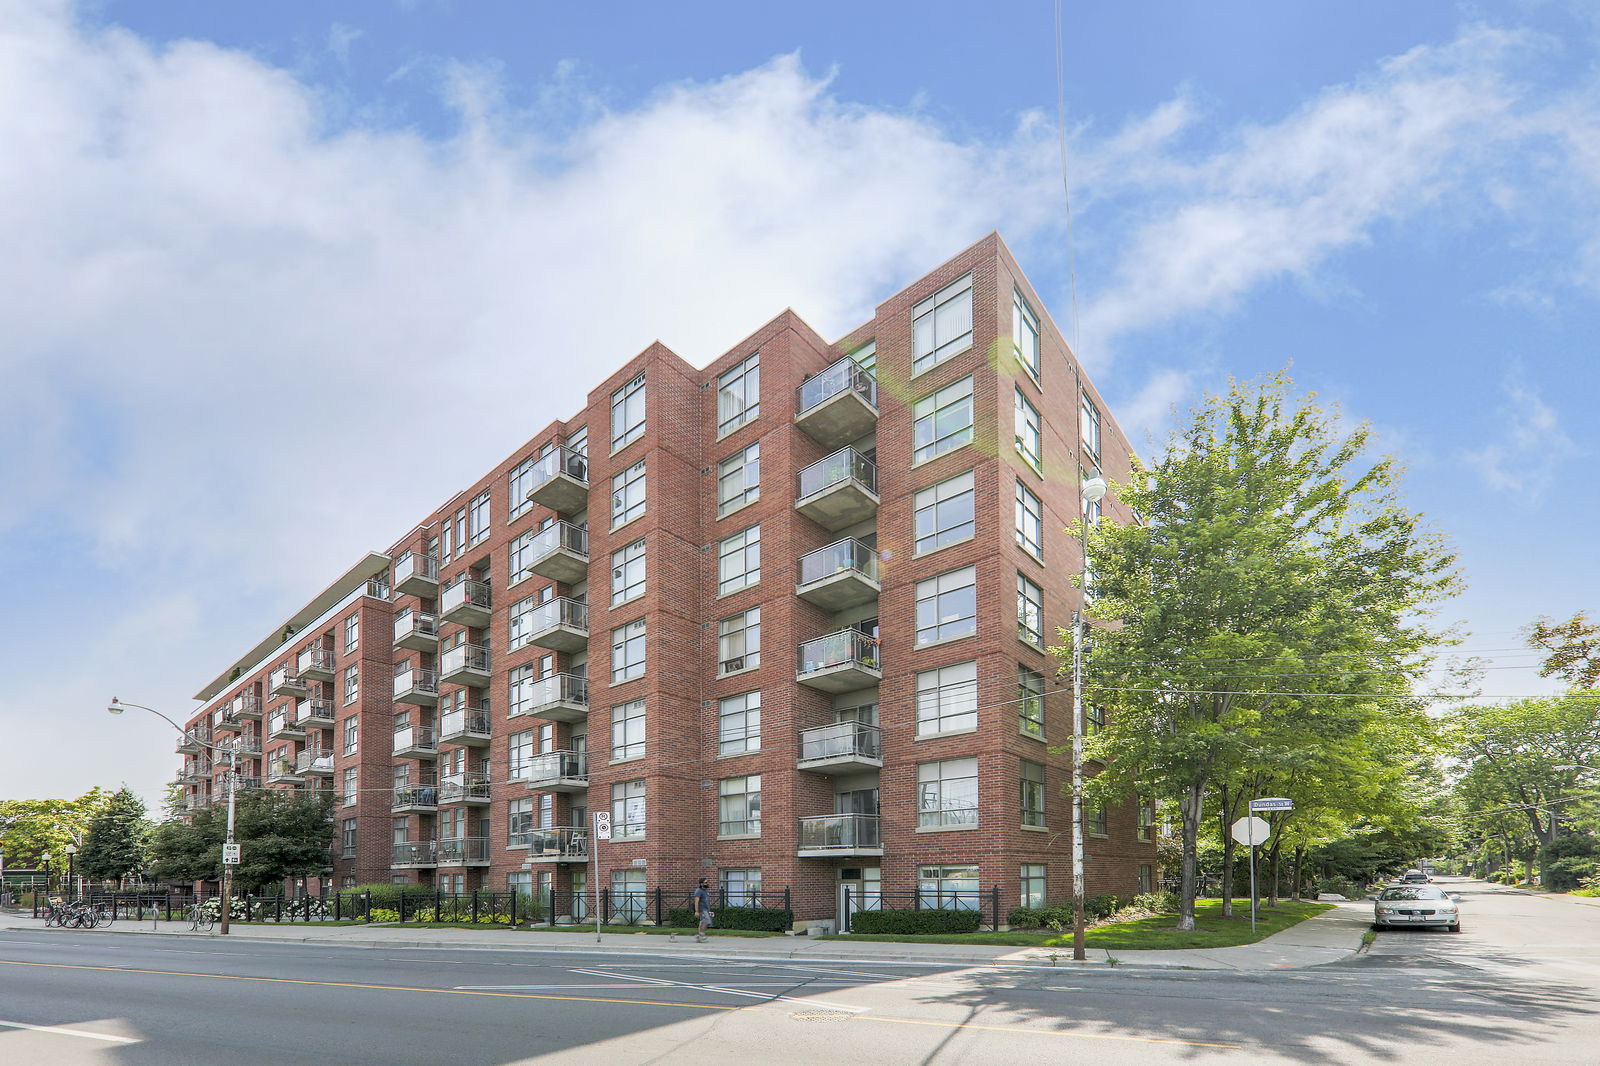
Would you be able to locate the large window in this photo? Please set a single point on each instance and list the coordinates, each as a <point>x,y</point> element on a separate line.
<point>943,513</point>
<point>519,825</point>
<point>352,632</point>
<point>948,887</point>
<point>739,395</point>
<point>941,421</point>
<point>627,810</point>
<point>1147,820</point>
<point>739,724</point>
<point>941,325</point>
<point>947,606</point>
<point>739,479</point>
<point>947,699</point>
<point>627,413</point>
<point>627,495</point>
<point>1031,885</point>
<point>1025,334</point>
<point>1030,433</point>
<point>1030,702</point>
<point>1030,522</point>
<point>739,642</point>
<point>1030,612</point>
<point>739,806</point>
<point>1032,793</point>
<point>947,792</point>
<point>352,682</point>
<point>627,573</point>
<point>627,652</point>
<point>478,517</point>
<point>352,785</point>
<point>519,689</point>
<point>739,561</point>
<point>520,755</point>
<point>627,730</point>
<point>520,554</point>
<point>348,838</point>
<point>519,626</point>
<point>741,886</point>
<point>518,484</point>
<point>352,732</point>
<point>1090,427</point>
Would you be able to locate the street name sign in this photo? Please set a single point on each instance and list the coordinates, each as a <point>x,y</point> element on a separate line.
<point>1271,803</point>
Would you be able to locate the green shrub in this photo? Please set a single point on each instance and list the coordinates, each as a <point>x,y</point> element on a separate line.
<point>385,914</point>
<point>1564,875</point>
<point>915,922</point>
<point>1157,902</point>
<point>763,919</point>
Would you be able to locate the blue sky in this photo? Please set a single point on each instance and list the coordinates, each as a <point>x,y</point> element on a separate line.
<point>280,278</point>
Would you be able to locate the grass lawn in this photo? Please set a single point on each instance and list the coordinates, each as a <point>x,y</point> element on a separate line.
<point>653,930</point>
<point>1211,930</point>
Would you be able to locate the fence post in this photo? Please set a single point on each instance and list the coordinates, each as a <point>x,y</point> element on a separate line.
<point>660,914</point>
<point>338,898</point>
<point>438,902</point>
<point>849,907</point>
<point>605,906</point>
<point>995,893</point>
<point>788,904</point>
<point>474,906</point>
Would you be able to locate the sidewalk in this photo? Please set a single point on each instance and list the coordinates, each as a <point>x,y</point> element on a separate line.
<point>1328,937</point>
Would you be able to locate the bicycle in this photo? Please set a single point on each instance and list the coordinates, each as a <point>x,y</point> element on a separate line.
<point>105,913</point>
<point>200,917</point>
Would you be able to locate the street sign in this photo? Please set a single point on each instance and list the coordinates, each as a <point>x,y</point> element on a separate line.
<point>230,855</point>
<point>602,825</point>
<point>1251,831</point>
<point>1271,803</point>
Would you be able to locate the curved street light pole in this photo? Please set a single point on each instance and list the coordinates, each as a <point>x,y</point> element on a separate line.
<point>116,707</point>
<point>1093,490</point>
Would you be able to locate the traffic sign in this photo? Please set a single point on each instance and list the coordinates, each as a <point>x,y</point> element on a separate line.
<point>602,825</point>
<point>1251,831</point>
<point>230,855</point>
<point>1271,803</point>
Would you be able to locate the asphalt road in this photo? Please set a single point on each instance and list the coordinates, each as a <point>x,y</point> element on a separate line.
<point>1521,984</point>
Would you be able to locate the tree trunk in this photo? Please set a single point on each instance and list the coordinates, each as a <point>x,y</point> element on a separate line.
<point>1229,849</point>
<point>1299,871</point>
<point>1277,853</point>
<point>1190,807</point>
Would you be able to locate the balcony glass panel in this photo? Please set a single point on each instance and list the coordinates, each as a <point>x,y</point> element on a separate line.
<point>847,554</point>
<point>845,375</point>
<point>839,832</point>
<point>839,739</point>
<point>846,647</point>
<point>846,464</point>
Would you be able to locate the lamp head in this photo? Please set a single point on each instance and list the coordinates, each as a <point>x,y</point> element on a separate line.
<point>72,849</point>
<point>116,707</point>
<point>1094,489</point>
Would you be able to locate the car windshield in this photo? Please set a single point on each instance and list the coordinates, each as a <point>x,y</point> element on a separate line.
<point>1420,892</point>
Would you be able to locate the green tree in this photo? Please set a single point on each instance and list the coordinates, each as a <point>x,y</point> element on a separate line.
<point>117,843</point>
<point>31,828</point>
<point>1272,597</point>
<point>1574,647</point>
<point>281,834</point>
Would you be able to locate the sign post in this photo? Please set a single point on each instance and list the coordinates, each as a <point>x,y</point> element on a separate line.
<point>1250,832</point>
<point>602,831</point>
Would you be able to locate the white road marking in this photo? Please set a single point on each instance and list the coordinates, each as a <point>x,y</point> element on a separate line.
<point>62,1031</point>
<point>726,991</point>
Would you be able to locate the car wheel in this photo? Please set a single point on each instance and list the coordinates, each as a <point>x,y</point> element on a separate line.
<point>1456,928</point>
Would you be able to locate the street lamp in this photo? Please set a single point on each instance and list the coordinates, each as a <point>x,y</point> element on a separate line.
<point>72,870</point>
<point>46,858</point>
<point>1093,490</point>
<point>117,707</point>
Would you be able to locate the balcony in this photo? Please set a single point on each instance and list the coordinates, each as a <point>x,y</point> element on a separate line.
<point>416,575</point>
<point>415,853</point>
<point>192,775</point>
<point>415,742</point>
<point>226,722</point>
<point>192,742</point>
<point>466,603</point>
<point>834,836</point>
<point>314,761</point>
<point>558,845</point>
<point>838,491</point>
<point>416,631</point>
<point>246,746</point>
<point>558,771</point>
<point>281,727</point>
<point>315,664</point>
<point>464,851</point>
<point>839,662</point>
<point>842,575</point>
<point>414,685</point>
<point>464,788</point>
<point>466,664</point>
<point>285,682</point>
<point>315,713</point>
<point>423,797</point>
<point>560,552</point>
<point>838,405</point>
<point>561,481</point>
<point>559,697</point>
<point>243,783</point>
<point>283,772</point>
<point>469,727</point>
<point>247,706</point>
<point>561,624</point>
<point>841,748</point>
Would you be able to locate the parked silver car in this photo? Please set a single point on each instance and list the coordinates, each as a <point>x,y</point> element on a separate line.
<point>1423,905</point>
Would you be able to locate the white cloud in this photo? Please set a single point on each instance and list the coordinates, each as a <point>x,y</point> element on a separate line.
<point>1527,453</point>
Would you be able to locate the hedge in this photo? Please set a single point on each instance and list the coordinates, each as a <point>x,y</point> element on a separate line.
<point>915,922</point>
<point>763,919</point>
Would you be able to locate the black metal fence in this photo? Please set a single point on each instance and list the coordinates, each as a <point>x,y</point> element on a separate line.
<point>857,900</point>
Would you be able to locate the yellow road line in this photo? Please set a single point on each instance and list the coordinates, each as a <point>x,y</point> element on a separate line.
<point>1043,1032</point>
<point>349,984</point>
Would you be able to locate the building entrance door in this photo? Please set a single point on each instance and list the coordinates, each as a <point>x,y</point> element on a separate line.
<point>860,889</point>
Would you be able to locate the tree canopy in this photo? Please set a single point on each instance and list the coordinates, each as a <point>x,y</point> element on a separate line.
<point>117,843</point>
<point>281,833</point>
<point>32,828</point>
<point>1573,646</point>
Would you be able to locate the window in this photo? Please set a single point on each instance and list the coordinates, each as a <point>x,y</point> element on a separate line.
<point>1094,720</point>
<point>1025,334</point>
<point>1030,612</point>
<point>948,887</point>
<point>519,689</point>
<point>739,642</point>
<point>629,895</point>
<point>347,838</point>
<point>1030,702</point>
<point>520,554</point>
<point>947,606</point>
<point>627,810</point>
<point>352,785</point>
<point>1030,522</point>
<point>352,682</point>
<point>866,356</point>
<point>947,792</point>
<point>739,806</point>
<point>627,730</point>
<point>739,479</point>
<point>941,421</point>
<point>947,699</point>
<point>1031,885</point>
<point>1147,820</point>
<point>520,623</point>
<point>739,395</point>
<point>1090,427</point>
<point>352,729</point>
<point>478,518</point>
<point>1098,822</point>
<point>519,755</point>
<point>941,325</point>
<point>739,561</point>
<point>943,513</point>
<point>627,652</point>
<point>1030,433</point>
<point>741,887</point>
<point>519,824</point>
<point>520,481</point>
<point>627,413</point>
<point>352,632</point>
<point>627,495</point>
<point>627,573</point>
<point>1032,794</point>
<point>1147,881</point>
<point>739,724</point>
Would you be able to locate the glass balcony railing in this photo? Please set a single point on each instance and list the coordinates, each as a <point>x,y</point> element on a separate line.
<point>839,557</point>
<point>458,851</point>
<point>847,647</point>
<point>846,375</point>
<point>415,627</point>
<point>416,853</point>
<point>416,573</point>
<point>844,465</point>
<point>840,832</point>
<point>465,725</point>
<point>841,740</point>
<point>463,788</point>
<point>558,843</point>
<point>415,740</point>
<point>557,766</point>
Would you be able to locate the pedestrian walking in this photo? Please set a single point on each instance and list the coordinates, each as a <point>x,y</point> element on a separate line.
<point>702,910</point>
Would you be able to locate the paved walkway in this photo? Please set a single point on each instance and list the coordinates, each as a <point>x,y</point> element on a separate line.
<point>1328,937</point>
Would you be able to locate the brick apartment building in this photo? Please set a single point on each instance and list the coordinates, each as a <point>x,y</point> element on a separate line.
<point>785,618</point>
